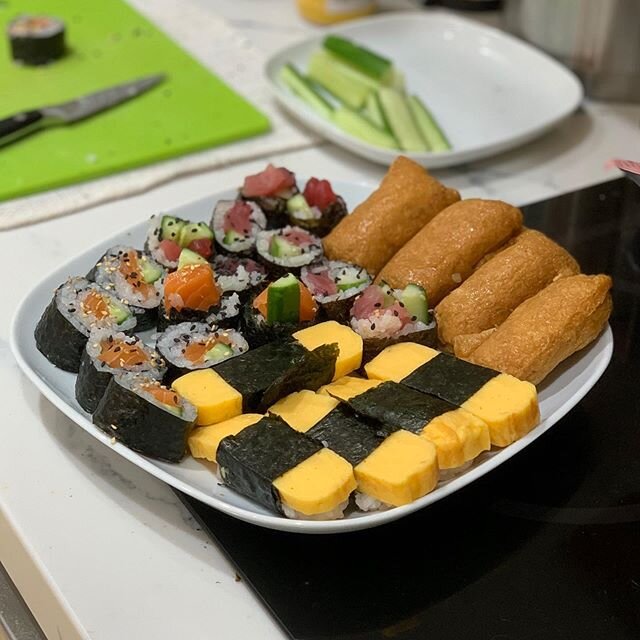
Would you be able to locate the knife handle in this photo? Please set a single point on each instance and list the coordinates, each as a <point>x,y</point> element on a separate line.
<point>19,125</point>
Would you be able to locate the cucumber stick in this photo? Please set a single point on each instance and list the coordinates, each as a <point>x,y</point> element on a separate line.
<point>365,60</point>
<point>431,132</point>
<point>396,110</point>
<point>299,85</point>
<point>373,111</point>
<point>360,127</point>
<point>347,84</point>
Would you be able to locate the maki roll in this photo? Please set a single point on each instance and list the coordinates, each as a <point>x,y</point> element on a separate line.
<point>168,235</point>
<point>286,471</point>
<point>146,416</point>
<point>108,353</point>
<point>270,189</point>
<point>36,40</point>
<point>191,293</point>
<point>285,306</point>
<point>385,316</point>
<point>318,209</point>
<point>135,278</point>
<point>287,250</point>
<point>238,275</point>
<point>77,307</point>
<point>334,285</point>
<point>235,225</point>
<point>226,314</point>
<point>195,345</point>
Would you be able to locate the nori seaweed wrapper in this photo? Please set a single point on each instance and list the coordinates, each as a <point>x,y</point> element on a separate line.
<point>449,378</point>
<point>91,383</point>
<point>35,47</point>
<point>145,318</point>
<point>338,310</point>
<point>258,333</point>
<point>251,460</point>
<point>141,425</point>
<point>58,340</point>
<point>373,346</point>
<point>268,373</point>
<point>323,226</point>
<point>274,208</point>
<point>403,407</point>
<point>176,317</point>
<point>350,436</point>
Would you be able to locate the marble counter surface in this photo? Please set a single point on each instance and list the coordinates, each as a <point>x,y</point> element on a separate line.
<point>100,549</point>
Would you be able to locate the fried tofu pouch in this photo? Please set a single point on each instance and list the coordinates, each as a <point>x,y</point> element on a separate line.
<point>407,198</point>
<point>547,328</point>
<point>446,251</point>
<point>491,293</point>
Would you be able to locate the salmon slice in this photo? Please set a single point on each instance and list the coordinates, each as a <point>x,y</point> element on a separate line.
<point>117,354</point>
<point>196,350</point>
<point>95,305</point>
<point>165,396</point>
<point>130,269</point>
<point>192,287</point>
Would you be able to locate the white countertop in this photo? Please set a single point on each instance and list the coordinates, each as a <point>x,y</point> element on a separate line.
<point>100,549</point>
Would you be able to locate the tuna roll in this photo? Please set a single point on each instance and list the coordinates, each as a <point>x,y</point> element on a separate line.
<point>318,209</point>
<point>287,250</point>
<point>238,275</point>
<point>235,225</point>
<point>168,235</point>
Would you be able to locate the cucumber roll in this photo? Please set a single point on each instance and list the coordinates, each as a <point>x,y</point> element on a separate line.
<point>189,346</point>
<point>270,189</point>
<point>77,307</point>
<point>287,250</point>
<point>168,235</point>
<point>135,278</point>
<point>36,40</point>
<point>318,209</point>
<point>334,285</point>
<point>106,353</point>
<point>385,316</point>
<point>238,275</point>
<point>284,307</point>
<point>235,225</point>
<point>146,416</point>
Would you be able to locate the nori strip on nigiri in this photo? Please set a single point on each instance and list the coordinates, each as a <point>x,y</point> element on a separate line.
<point>251,460</point>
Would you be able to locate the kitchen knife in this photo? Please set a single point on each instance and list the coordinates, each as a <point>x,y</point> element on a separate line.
<point>27,122</point>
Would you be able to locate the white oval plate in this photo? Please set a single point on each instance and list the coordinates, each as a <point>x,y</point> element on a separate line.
<point>563,391</point>
<point>488,90</point>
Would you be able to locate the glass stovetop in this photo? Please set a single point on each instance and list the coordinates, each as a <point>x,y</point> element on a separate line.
<point>546,547</point>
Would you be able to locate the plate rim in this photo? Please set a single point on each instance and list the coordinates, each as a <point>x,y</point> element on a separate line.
<point>274,521</point>
<point>429,159</point>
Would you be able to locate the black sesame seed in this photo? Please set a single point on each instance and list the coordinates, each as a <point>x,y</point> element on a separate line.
<point>373,326</point>
<point>414,318</point>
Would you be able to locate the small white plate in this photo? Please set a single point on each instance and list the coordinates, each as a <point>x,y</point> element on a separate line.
<point>563,391</point>
<point>488,90</point>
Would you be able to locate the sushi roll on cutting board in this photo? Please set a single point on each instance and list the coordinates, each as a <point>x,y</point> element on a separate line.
<point>317,209</point>
<point>135,278</point>
<point>287,250</point>
<point>235,225</point>
<point>239,275</point>
<point>286,471</point>
<point>169,235</point>
<point>108,353</point>
<point>36,40</point>
<point>334,285</point>
<point>270,189</point>
<point>140,412</point>
<point>282,308</point>
<point>385,316</point>
<point>507,405</point>
<point>458,435</point>
<point>391,466</point>
<point>77,307</point>
<point>189,346</point>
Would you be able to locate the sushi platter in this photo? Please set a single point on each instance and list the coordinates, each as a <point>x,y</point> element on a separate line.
<point>311,371</point>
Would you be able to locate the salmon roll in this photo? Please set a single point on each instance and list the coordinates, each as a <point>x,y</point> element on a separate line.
<point>547,328</point>
<point>235,225</point>
<point>143,414</point>
<point>507,405</point>
<point>107,353</point>
<point>446,251</point>
<point>287,250</point>
<point>407,198</point>
<point>485,299</point>
<point>286,471</point>
<point>77,307</point>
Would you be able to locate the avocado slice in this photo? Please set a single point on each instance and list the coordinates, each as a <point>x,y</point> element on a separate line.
<point>188,257</point>
<point>219,352</point>
<point>194,231</point>
<point>283,300</point>
<point>281,248</point>
<point>150,272</point>
<point>414,298</point>
<point>170,228</point>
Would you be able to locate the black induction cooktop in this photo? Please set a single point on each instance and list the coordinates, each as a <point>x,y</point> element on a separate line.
<point>546,547</point>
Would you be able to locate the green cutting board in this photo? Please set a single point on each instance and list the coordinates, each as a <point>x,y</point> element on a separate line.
<point>111,43</point>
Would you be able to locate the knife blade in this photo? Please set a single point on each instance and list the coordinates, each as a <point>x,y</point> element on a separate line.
<point>27,122</point>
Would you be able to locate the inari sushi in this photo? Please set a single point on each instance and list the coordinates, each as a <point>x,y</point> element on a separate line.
<point>108,353</point>
<point>77,307</point>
